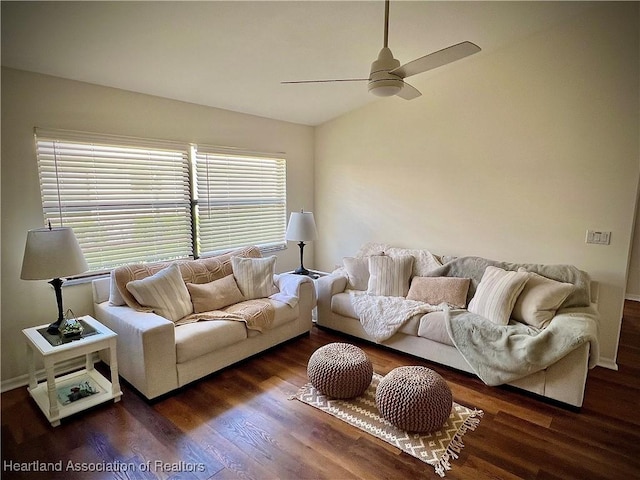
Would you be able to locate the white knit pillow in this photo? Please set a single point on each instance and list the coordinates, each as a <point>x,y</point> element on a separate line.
<point>255,276</point>
<point>389,276</point>
<point>165,292</point>
<point>497,293</point>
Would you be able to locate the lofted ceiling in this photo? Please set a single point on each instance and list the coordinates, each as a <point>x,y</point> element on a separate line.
<point>233,55</point>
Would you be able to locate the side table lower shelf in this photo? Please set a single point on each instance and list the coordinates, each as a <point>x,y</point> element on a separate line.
<point>105,393</point>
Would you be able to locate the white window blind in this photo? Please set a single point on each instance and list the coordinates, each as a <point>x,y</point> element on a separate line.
<point>126,199</point>
<point>241,200</point>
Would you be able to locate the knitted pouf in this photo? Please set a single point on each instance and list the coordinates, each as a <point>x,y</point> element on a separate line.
<point>340,370</point>
<point>414,399</point>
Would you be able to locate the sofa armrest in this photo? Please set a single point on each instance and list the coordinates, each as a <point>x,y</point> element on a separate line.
<point>326,288</point>
<point>146,348</point>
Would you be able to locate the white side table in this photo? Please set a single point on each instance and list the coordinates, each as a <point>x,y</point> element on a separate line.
<point>58,397</point>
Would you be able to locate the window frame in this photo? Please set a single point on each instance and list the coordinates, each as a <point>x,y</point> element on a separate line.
<point>192,202</point>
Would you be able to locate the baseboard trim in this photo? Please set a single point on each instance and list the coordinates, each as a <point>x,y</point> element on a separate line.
<point>632,297</point>
<point>60,368</point>
<point>608,363</point>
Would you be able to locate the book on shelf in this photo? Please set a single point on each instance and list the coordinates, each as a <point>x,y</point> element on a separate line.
<point>77,390</point>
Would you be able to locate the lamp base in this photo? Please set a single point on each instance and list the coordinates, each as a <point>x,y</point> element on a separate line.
<point>54,328</point>
<point>301,271</point>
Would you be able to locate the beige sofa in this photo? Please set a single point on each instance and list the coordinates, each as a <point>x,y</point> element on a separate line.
<point>157,355</point>
<point>428,334</point>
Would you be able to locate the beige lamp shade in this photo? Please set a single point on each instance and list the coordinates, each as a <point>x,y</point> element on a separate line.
<point>52,253</point>
<point>301,228</point>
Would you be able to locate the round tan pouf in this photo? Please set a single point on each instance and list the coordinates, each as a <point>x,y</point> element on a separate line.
<point>340,370</point>
<point>414,399</point>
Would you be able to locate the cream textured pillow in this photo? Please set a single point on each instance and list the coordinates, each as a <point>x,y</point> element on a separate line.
<point>389,276</point>
<point>497,293</point>
<point>255,276</point>
<point>540,299</point>
<point>357,271</point>
<point>214,295</point>
<point>164,292</point>
<point>436,290</point>
<point>423,260</point>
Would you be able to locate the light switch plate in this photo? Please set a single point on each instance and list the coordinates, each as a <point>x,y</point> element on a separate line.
<point>598,237</point>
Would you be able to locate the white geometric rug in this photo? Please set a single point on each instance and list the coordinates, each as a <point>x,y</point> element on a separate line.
<point>435,448</point>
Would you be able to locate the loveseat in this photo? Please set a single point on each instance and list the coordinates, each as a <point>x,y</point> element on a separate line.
<point>531,326</point>
<point>179,321</point>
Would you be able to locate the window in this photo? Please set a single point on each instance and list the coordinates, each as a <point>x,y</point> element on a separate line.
<point>134,200</point>
<point>240,200</point>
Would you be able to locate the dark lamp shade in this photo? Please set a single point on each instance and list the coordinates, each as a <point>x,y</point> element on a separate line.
<point>301,228</point>
<point>52,253</point>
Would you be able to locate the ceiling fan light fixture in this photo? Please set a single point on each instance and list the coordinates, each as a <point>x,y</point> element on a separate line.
<point>385,88</point>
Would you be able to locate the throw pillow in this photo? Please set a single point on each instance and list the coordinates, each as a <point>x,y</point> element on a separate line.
<point>497,293</point>
<point>389,276</point>
<point>540,299</point>
<point>436,290</point>
<point>164,292</point>
<point>255,276</point>
<point>357,272</point>
<point>214,295</point>
<point>423,260</point>
<point>114,294</point>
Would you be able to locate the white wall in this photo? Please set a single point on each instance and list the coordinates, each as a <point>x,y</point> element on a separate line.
<point>510,155</point>
<point>30,100</point>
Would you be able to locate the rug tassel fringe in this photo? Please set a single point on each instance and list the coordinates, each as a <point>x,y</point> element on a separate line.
<point>456,445</point>
<point>299,393</point>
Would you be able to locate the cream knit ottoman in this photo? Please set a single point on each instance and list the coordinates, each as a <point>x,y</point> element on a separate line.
<point>414,399</point>
<point>340,370</point>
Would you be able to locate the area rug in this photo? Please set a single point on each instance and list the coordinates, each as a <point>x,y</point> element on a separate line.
<point>435,448</point>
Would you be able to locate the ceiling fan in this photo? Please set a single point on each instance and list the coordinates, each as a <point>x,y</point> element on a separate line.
<point>387,75</point>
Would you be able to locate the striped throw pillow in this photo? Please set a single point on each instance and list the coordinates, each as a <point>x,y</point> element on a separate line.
<point>255,276</point>
<point>497,293</point>
<point>164,292</point>
<point>389,276</point>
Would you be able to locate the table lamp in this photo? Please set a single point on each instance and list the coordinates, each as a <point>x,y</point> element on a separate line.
<point>52,253</point>
<point>301,228</point>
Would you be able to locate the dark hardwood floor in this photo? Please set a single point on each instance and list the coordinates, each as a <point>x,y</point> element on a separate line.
<point>239,424</point>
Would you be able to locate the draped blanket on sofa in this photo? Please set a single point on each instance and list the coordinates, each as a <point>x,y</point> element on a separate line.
<point>501,354</point>
<point>381,317</point>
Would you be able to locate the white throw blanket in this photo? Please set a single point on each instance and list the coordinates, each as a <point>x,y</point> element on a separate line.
<point>503,353</point>
<point>381,317</point>
<point>289,288</point>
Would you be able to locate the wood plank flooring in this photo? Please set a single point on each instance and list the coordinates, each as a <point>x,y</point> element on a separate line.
<point>239,424</point>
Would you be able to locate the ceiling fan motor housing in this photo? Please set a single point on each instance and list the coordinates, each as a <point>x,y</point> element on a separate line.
<point>381,82</point>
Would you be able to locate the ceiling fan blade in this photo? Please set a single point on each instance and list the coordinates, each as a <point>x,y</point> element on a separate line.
<point>436,59</point>
<point>408,92</point>
<point>328,81</point>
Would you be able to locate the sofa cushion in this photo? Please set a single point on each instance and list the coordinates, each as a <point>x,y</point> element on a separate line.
<point>164,292</point>
<point>203,270</point>
<point>436,290</point>
<point>540,299</point>
<point>357,269</point>
<point>433,326</point>
<point>423,260</point>
<point>341,304</point>
<point>389,276</point>
<point>199,338</point>
<point>214,295</point>
<point>255,276</point>
<point>497,294</point>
